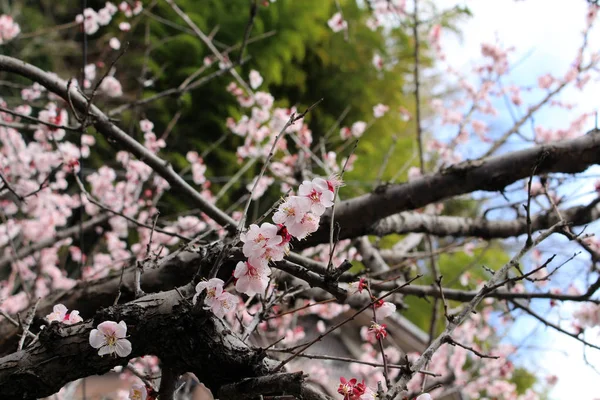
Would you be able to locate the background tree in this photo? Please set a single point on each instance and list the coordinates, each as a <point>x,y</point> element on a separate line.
<point>131,199</point>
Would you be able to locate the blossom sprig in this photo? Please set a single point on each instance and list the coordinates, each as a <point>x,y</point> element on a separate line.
<point>296,217</point>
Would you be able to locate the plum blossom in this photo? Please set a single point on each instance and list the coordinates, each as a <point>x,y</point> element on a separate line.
<point>317,191</point>
<point>255,79</point>
<point>262,244</point>
<point>384,309</point>
<point>358,128</point>
<point>213,287</point>
<point>114,43</point>
<point>424,396</point>
<point>198,167</point>
<point>59,313</point>
<point>351,389</point>
<point>111,87</point>
<point>216,300</point>
<point>251,279</point>
<point>309,224</point>
<point>377,62</point>
<point>292,210</point>
<point>146,125</point>
<point>404,114</point>
<point>263,184</point>
<point>110,338</point>
<point>90,21</point>
<point>379,110</point>
<point>138,392</point>
<point>379,330</point>
<point>337,22</point>
<point>8,28</point>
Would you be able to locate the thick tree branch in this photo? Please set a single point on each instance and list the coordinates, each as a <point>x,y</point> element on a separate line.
<point>491,174</point>
<point>407,222</point>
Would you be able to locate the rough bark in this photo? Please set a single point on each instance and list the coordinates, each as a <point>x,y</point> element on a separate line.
<point>161,324</point>
<point>408,222</point>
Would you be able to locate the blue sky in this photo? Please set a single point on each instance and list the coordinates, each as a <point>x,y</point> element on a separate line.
<point>546,35</point>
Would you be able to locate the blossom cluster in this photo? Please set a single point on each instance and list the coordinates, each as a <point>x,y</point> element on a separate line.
<point>92,20</point>
<point>9,29</point>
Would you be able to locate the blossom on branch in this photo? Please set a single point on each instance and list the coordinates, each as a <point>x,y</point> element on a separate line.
<point>109,338</point>
<point>59,313</point>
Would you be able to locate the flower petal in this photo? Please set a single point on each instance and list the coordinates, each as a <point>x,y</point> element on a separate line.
<point>96,339</point>
<point>123,347</point>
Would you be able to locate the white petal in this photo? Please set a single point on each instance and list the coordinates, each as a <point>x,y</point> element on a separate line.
<point>106,350</point>
<point>123,347</point>
<point>96,339</point>
<point>60,310</point>
<point>121,330</point>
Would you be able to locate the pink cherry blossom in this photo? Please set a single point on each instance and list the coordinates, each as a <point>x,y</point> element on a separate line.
<point>110,338</point>
<point>59,313</point>
<point>379,330</point>
<point>358,128</point>
<point>261,243</point>
<point>377,62</point>
<point>337,22</point>
<point>8,28</point>
<point>307,225</point>
<point>379,110</point>
<point>213,287</point>
<point>384,309</point>
<point>263,184</point>
<point>89,19</point>
<point>146,125</point>
<point>251,279</point>
<point>111,87</point>
<point>138,392</point>
<point>424,396</point>
<point>255,79</point>
<point>317,191</point>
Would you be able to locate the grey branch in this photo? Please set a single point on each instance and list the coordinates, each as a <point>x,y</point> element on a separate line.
<point>491,174</point>
<point>407,222</point>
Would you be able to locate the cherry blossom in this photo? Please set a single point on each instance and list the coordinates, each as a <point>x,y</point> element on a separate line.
<point>110,338</point>
<point>337,22</point>
<point>251,279</point>
<point>138,392</point>
<point>317,191</point>
<point>379,330</point>
<point>379,110</point>
<point>307,225</point>
<point>377,62</point>
<point>60,313</point>
<point>213,287</point>
<point>111,87</point>
<point>358,128</point>
<point>261,244</point>
<point>384,309</point>
<point>9,29</point>
<point>217,300</point>
<point>351,389</point>
<point>89,19</point>
<point>255,79</point>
